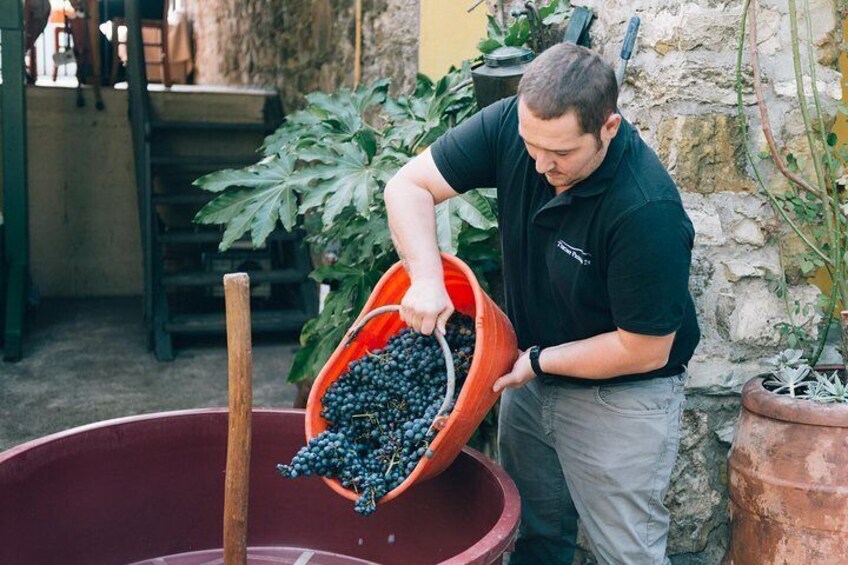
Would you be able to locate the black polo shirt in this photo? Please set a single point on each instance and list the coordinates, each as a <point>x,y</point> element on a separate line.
<point>612,252</point>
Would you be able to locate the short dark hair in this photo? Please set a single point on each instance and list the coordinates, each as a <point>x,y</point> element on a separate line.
<point>568,77</point>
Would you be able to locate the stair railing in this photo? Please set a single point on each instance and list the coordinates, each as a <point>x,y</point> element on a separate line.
<point>139,106</point>
<point>15,255</point>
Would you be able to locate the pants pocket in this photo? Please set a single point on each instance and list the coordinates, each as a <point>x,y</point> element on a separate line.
<point>639,398</point>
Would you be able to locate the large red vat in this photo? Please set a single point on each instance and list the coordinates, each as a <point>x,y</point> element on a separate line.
<point>147,487</point>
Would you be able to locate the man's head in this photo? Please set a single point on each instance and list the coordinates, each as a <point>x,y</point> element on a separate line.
<point>566,112</point>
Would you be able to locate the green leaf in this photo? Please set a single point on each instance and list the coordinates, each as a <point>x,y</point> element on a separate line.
<point>278,140</point>
<point>555,13</point>
<point>832,139</point>
<point>488,45</point>
<point>368,142</point>
<point>475,209</point>
<point>288,209</point>
<point>256,209</point>
<point>448,225</point>
<point>337,110</point>
<point>792,162</point>
<point>260,176</point>
<point>374,94</point>
<point>423,85</point>
<point>518,33</point>
<point>493,28</point>
<point>335,272</point>
<point>349,181</point>
<point>301,368</point>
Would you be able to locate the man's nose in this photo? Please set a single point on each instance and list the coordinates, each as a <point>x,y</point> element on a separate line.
<point>543,163</point>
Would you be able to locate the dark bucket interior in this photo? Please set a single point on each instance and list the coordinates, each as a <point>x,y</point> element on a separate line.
<point>147,487</point>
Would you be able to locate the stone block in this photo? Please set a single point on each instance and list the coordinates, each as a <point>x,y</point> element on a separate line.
<point>692,500</point>
<point>692,25</point>
<point>705,220</point>
<point>704,153</point>
<point>716,374</point>
<point>747,231</point>
<point>750,312</point>
<point>687,80</point>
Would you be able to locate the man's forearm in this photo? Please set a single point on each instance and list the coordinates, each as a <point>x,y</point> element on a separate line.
<point>411,213</point>
<point>603,356</point>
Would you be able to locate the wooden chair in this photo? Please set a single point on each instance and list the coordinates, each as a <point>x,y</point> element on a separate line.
<point>149,8</point>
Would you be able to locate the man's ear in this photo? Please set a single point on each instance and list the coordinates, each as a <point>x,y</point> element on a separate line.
<point>610,127</point>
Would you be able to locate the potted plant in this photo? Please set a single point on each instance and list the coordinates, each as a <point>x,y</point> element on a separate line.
<point>787,466</point>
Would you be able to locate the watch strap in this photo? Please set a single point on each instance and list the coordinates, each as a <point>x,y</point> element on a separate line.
<point>535,352</point>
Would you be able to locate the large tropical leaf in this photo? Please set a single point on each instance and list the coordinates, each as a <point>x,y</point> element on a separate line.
<point>302,124</point>
<point>265,197</point>
<point>345,178</point>
<point>267,172</point>
<point>472,208</point>
<point>419,120</point>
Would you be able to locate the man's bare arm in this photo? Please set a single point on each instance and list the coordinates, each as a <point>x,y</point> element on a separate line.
<point>411,198</point>
<point>608,355</point>
<point>603,356</point>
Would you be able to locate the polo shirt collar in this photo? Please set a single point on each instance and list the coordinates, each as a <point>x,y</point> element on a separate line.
<point>601,178</point>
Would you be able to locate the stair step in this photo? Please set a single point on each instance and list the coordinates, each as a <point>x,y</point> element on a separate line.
<point>186,198</point>
<point>202,162</point>
<point>272,320</point>
<point>213,236</point>
<point>203,278</point>
<point>207,126</point>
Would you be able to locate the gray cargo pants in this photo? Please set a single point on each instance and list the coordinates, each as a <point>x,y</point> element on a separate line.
<point>603,453</point>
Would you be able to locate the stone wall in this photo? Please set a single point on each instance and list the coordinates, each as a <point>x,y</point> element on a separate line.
<point>299,47</point>
<point>680,91</point>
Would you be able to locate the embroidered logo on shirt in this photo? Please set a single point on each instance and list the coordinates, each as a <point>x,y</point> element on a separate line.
<point>577,254</point>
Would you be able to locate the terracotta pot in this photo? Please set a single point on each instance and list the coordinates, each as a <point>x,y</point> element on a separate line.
<point>788,473</point>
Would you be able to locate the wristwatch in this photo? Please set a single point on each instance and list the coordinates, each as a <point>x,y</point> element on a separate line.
<point>535,351</point>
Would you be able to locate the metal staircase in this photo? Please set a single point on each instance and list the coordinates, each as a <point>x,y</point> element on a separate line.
<point>183,268</point>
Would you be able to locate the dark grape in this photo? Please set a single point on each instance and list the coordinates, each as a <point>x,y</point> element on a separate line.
<point>380,412</point>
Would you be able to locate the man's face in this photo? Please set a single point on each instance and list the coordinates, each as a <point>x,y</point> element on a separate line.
<point>562,152</point>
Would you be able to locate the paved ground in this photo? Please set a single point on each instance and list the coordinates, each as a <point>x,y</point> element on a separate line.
<point>86,360</point>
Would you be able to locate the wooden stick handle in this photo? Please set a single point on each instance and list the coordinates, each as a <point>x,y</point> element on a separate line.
<point>237,298</point>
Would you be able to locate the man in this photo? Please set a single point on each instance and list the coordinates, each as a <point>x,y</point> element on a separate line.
<point>596,253</point>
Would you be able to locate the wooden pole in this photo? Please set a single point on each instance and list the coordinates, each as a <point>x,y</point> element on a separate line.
<point>357,44</point>
<point>237,298</point>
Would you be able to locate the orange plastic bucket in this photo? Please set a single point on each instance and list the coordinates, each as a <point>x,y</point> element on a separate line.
<point>495,351</point>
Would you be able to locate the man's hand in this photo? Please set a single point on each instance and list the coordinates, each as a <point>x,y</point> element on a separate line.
<point>520,374</point>
<point>426,305</point>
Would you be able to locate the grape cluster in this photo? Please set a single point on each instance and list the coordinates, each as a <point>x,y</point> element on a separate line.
<point>380,412</point>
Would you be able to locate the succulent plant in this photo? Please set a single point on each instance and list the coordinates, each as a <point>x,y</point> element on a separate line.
<point>792,375</point>
<point>827,389</point>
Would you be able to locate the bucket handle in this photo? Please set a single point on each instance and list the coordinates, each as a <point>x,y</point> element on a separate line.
<point>441,417</point>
